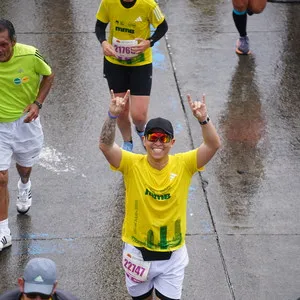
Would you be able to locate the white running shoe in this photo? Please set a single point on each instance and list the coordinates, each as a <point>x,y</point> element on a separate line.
<point>5,240</point>
<point>24,199</point>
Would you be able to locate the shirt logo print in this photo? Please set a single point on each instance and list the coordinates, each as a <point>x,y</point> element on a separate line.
<point>172,176</point>
<point>18,80</point>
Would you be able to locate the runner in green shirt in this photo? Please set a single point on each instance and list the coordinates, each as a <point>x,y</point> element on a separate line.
<point>25,81</point>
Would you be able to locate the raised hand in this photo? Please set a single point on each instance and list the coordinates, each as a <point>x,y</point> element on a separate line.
<point>198,108</point>
<point>117,104</point>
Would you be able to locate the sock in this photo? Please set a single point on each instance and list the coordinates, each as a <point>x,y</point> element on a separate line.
<point>240,21</point>
<point>140,133</point>
<point>24,186</point>
<point>4,227</point>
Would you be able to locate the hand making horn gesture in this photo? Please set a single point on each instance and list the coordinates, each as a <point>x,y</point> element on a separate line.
<point>117,104</point>
<point>198,108</point>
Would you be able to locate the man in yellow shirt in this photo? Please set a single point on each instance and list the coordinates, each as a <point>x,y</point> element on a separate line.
<point>25,81</point>
<point>128,56</point>
<point>156,184</point>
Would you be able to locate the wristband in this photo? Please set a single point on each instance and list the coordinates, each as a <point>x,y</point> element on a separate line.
<point>111,116</point>
<point>38,104</point>
<point>205,121</point>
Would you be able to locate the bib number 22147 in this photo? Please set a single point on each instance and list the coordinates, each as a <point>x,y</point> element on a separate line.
<point>137,270</point>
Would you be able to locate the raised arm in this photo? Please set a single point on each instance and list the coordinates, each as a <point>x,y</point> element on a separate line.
<point>107,145</point>
<point>211,141</point>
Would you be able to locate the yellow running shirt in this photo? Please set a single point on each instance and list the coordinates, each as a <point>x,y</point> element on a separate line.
<point>126,24</point>
<point>20,80</point>
<point>156,200</point>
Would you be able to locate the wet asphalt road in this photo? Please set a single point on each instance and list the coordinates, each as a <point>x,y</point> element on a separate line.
<point>243,215</point>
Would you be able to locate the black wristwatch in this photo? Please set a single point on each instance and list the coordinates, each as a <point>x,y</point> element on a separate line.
<point>39,105</point>
<point>151,42</point>
<point>205,121</point>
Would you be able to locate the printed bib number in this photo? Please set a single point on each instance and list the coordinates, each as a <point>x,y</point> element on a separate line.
<point>136,269</point>
<point>123,48</point>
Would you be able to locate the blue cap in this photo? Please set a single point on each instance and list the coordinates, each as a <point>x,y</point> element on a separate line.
<point>39,276</point>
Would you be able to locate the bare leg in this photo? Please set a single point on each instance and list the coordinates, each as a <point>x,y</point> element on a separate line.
<point>240,5</point>
<point>139,111</point>
<point>4,195</point>
<point>257,6</point>
<point>24,173</point>
<point>4,202</point>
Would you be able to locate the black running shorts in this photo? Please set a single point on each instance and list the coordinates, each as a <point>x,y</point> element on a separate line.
<point>137,79</point>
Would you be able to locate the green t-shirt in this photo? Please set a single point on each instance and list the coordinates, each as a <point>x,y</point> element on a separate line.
<point>20,80</point>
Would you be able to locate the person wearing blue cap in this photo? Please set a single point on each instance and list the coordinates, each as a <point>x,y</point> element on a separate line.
<point>38,282</point>
<point>156,193</point>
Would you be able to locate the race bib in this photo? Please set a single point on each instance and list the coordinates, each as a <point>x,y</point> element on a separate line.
<point>135,268</point>
<point>123,48</point>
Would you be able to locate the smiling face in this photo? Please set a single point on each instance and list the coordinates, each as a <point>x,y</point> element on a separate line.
<point>158,145</point>
<point>6,46</point>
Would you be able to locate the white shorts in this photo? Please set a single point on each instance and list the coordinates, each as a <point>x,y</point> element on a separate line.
<point>21,141</point>
<point>165,276</point>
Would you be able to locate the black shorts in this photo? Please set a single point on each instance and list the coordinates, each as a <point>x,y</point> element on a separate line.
<point>122,78</point>
<point>157,293</point>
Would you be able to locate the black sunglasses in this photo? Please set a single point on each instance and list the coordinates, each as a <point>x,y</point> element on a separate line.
<point>35,295</point>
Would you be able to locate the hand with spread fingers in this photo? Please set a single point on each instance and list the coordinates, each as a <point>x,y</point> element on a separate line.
<point>198,108</point>
<point>117,104</point>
